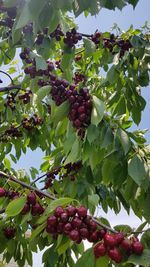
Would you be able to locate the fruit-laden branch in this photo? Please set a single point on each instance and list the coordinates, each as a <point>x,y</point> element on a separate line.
<point>14,179</point>
<point>9,88</point>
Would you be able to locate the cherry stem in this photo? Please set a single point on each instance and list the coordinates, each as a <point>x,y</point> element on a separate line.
<point>9,88</point>
<point>7,76</point>
<point>14,179</point>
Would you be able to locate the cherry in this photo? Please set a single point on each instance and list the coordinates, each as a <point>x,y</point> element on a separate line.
<point>76,222</point>
<point>67,228</point>
<point>126,244</point>
<point>101,233</point>
<point>77,123</point>
<point>9,232</point>
<point>137,247</point>
<point>71,211</point>
<point>92,225</point>
<point>25,209</point>
<point>99,250</point>
<point>52,220</point>
<point>82,212</point>
<point>64,217</point>
<point>31,198</point>
<point>119,237</point>
<point>50,229</point>
<point>84,233</point>
<point>93,237</point>
<point>115,255</point>
<point>109,240</point>
<point>74,235</point>
<point>58,211</point>
<point>60,226</point>
<point>2,192</point>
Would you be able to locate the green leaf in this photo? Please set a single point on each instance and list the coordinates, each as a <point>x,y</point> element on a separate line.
<point>125,140</point>
<point>61,112</point>
<point>7,163</point>
<point>123,228</point>
<point>65,244</point>
<point>40,63</point>
<point>97,111</point>
<point>74,154</point>
<point>112,75</point>
<point>15,206</point>
<point>24,18</point>
<point>87,257</point>
<point>37,231</point>
<point>136,169</point>
<point>10,3</point>
<point>93,199</point>
<point>90,47</point>
<point>102,262</point>
<point>43,91</point>
<point>143,260</point>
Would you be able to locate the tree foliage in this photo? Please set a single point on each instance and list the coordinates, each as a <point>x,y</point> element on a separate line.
<point>76,98</point>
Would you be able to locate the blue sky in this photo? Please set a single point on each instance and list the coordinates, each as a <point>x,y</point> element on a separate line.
<point>104,22</point>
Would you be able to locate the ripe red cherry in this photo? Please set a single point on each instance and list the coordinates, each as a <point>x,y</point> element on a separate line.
<point>126,244</point>
<point>74,235</point>
<point>31,198</point>
<point>99,250</point>
<point>84,233</point>
<point>71,211</point>
<point>58,211</point>
<point>119,237</point>
<point>60,226</point>
<point>76,222</point>
<point>115,255</point>
<point>109,240</point>
<point>137,247</point>
<point>101,233</point>
<point>82,117</point>
<point>77,123</point>
<point>2,192</point>
<point>37,209</point>
<point>52,220</point>
<point>51,229</point>
<point>81,109</point>
<point>9,232</point>
<point>82,212</point>
<point>64,217</point>
<point>93,237</point>
<point>25,209</point>
<point>67,228</point>
<point>92,225</point>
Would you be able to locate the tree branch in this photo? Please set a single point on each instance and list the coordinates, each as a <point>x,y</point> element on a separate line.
<point>7,76</point>
<point>9,88</point>
<point>14,179</point>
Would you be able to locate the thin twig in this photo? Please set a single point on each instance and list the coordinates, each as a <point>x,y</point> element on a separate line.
<point>104,226</point>
<point>7,76</point>
<point>14,179</point>
<point>9,88</point>
<point>38,178</point>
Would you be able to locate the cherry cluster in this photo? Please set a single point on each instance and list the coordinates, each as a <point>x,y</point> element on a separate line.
<point>33,205</point>
<point>69,170</point>
<point>73,222</point>
<point>11,101</point>
<point>58,91</point>
<point>111,42</point>
<point>14,132</point>
<point>117,247</point>
<point>25,97</point>
<point>72,38</point>
<point>79,77</point>
<point>57,34</point>
<point>80,107</point>
<point>30,123</point>
<point>11,194</point>
<point>11,13</point>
